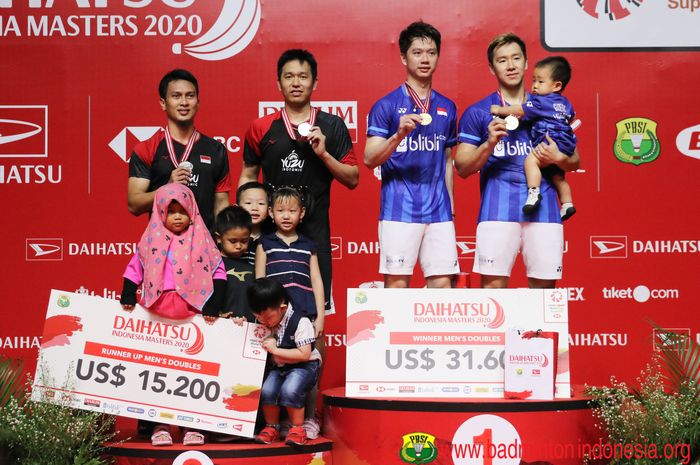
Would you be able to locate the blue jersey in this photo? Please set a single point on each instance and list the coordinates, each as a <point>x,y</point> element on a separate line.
<point>413,178</point>
<point>503,183</point>
<point>550,114</point>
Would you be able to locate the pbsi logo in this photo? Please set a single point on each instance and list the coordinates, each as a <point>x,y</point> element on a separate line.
<point>44,250</point>
<point>608,246</point>
<point>688,142</point>
<point>345,110</point>
<point>24,131</point>
<point>336,248</point>
<point>466,246</point>
<point>610,10</point>
<point>636,141</point>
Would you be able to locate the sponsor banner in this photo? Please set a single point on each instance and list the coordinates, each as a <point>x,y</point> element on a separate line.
<point>184,24</point>
<point>620,24</point>
<point>688,141</point>
<point>444,342</point>
<point>346,110</point>
<point>24,131</point>
<point>136,364</point>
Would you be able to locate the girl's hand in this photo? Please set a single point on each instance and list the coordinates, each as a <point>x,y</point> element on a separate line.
<point>128,307</point>
<point>210,320</point>
<point>239,320</point>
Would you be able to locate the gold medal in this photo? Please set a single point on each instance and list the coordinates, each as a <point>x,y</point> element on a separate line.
<point>425,119</point>
<point>512,122</point>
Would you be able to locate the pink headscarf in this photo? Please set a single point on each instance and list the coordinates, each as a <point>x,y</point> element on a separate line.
<point>194,256</point>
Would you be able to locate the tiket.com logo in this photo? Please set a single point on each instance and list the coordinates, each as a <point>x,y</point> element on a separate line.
<point>336,248</point>
<point>688,142</point>
<point>44,249</point>
<point>120,144</point>
<point>640,293</point>
<point>188,337</point>
<point>466,246</point>
<point>610,10</point>
<point>608,246</point>
<point>636,141</point>
<point>345,110</point>
<point>489,314</point>
<point>24,131</point>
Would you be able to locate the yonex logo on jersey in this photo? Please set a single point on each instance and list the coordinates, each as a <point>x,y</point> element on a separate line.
<point>292,163</point>
<point>420,144</point>
<point>402,111</point>
<point>504,148</point>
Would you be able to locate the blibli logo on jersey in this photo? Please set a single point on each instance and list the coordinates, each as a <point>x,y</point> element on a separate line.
<point>516,149</point>
<point>420,144</point>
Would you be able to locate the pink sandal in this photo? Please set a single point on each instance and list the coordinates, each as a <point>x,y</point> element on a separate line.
<point>161,437</point>
<point>193,438</point>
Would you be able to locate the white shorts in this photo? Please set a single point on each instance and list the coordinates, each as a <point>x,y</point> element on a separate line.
<point>498,243</point>
<point>401,244</point>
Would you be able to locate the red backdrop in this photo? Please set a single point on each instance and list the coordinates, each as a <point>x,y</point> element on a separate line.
<point>79,81</point>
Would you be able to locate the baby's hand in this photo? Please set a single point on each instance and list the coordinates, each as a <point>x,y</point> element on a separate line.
<point>318,329</point>
<point>128,307</point>
<point>239,320</point>
<point>210,320</point>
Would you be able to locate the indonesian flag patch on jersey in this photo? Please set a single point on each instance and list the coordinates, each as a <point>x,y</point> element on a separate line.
<point>442,111</point>
<point>205,159</point>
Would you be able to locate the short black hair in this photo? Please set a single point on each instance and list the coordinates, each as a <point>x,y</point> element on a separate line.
<point>418,30</point>
<point>266,293</point>
<point>286,192</point>
<point>233,217</point>
<point>302,56</point>
<point>561,69</point>
<point>176,75</point>
<point>504,39</point>
<point>251,185</point>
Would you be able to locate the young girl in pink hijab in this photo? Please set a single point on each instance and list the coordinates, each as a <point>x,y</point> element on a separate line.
<point>180,268</point>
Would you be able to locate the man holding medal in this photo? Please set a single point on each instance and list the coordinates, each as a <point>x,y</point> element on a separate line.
<point>305,148</point>
<point>497,148</point>
<point>180,154</point>
<point>410,134</point>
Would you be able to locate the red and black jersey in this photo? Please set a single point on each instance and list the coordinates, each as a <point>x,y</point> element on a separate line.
<point>288,162</point>
<point>150,160</point>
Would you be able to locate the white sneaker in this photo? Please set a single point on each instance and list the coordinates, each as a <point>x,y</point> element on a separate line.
<point>533,200</point>
<point>567,211</point>
<point>312,428</point>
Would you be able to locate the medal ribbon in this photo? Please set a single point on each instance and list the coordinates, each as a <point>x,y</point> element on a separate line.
<point>424,107</point>
<point>288,124</point>
<point>503,101</point>
<point>171,148</point>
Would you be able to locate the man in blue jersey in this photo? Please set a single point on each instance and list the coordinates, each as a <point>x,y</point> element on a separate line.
<point>499,152</point>
<point>410,134</point>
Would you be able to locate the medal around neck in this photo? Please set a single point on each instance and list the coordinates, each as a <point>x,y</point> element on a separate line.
<point>512,122</point>
<point>304,129</point>
<point>425,119</point>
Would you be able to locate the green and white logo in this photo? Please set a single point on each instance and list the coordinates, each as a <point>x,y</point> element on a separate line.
<point>418,448</point>
<point>636,141</point>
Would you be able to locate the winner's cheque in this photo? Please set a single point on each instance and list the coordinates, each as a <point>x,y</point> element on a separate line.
<point>444,342</point>
<point>96,356</point>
